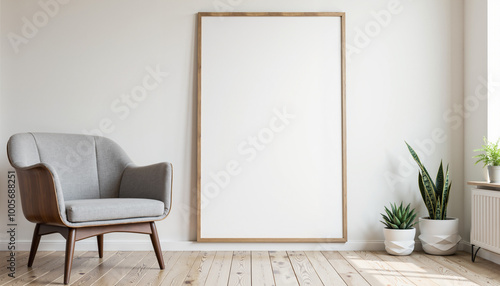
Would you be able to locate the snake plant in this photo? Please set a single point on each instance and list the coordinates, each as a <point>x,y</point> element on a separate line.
<point>435,195</point>
<point>399,217</point>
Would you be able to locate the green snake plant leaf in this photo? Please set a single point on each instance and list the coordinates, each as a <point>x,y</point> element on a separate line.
<point>424,172</point>
<point>430,189</point>
<point>439,181</point>
<point>438,214</point>
<point>446,203</point>
<point>426,196</point>
<point>436,194</point>
<point>446,192</point>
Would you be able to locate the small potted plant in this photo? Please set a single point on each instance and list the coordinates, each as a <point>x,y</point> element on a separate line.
<point>438,233</point>
<point>491,158</point>
<point>399,232</point>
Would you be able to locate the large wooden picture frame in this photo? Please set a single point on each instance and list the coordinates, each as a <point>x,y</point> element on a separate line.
<point>271,157</point>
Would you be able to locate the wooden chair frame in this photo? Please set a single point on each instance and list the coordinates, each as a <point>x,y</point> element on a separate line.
<point>42,207</point>
<point>73,235</point>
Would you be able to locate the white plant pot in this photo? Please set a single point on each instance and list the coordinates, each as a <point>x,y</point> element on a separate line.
<point>399,241</point>
<point>439,237</point>
<point>494,174</point>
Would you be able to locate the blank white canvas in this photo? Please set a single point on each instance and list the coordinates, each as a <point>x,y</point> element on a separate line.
<point>271,127</point>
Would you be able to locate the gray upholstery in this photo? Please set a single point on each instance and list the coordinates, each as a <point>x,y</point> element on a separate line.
<point>86,167</point>
<point>110,209</point>
<point>23,151</point>
<point>147,182</point>
<point>111,162</point>
<point>74,158</point>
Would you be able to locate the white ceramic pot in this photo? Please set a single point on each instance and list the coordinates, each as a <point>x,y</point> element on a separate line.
<point>439,237</point>
<point>399,241</point>
<point>494,174</point>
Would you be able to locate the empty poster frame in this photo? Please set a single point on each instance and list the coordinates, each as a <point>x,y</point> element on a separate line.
<point>271,148</point>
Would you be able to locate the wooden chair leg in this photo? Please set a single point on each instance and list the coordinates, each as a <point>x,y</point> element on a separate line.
<point>70,249</point>
<point>156,245</point>
<point>34,244</point>
<point>100,245</point>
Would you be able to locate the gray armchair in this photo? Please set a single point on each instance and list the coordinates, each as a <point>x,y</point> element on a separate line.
<point>83,186</point>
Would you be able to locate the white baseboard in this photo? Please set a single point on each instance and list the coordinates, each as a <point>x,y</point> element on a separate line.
<point>145,245</point>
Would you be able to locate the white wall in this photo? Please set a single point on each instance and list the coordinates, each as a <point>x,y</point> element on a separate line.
<point>493,70</point>
<point>475,67</point>
<point>481,93</point>
<point>404,75</point>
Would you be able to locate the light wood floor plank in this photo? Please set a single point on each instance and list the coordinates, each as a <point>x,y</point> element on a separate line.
<point>325,270</point>
<point>389,273</point>
<point>221,266</point>
<point>82,266</point>
<point>350,276</point>
<point>20,257</point>
<point>177,274</point>
<point>410,270</point>
<point>154,276</point>
<point>240,269</point>
<point>282,268</point>
<point>434,272</point>
<point>121,269</point>
<point>55,276</point>
<point>304,271</point>
<point>262,273</point>
<point>364,267</point>
<point>101,269</point>
<point>133,276</point>
<point>465,272</point>
<point>442,273</point>
<point>50,262</point>
<point>481,266</point>
<point>21,266</point>
<point>259,268</point>
<point>199,272</point>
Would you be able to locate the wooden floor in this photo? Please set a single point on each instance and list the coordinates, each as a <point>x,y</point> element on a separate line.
<point>255,268</point>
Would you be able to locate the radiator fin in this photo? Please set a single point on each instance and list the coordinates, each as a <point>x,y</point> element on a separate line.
<point>485,228</point>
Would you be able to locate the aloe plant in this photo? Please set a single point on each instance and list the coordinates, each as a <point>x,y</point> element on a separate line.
<point>435,195</point>
<point>399,217</point>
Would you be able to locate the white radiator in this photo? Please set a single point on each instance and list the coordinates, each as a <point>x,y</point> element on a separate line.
<point>485,228</point>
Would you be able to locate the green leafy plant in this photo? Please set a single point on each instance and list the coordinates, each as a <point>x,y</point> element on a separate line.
<point>435,195</point>
<point>399,217</point>
<point>491,154</point>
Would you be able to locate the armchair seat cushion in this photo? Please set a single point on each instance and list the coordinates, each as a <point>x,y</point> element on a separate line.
<point>89,210</point>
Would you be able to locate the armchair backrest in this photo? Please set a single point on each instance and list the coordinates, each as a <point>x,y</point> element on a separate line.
<point>88,167</point>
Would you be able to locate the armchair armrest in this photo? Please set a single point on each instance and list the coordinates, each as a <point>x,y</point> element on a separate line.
<point>41,195</point>
<point>148,182</point>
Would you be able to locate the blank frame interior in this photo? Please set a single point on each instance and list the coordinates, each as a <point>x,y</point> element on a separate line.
<point>271,127</point>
